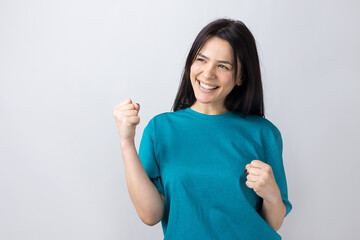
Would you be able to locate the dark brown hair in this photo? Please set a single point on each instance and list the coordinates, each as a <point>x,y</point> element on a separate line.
<point>247,98</point>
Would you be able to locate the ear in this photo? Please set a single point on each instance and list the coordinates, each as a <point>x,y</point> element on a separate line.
<point>239,81</point>
<point>239,78</point>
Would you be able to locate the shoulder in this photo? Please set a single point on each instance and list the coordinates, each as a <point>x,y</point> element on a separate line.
<point>262,124</point>
<point>164,118</point>
<point>266,132</point>
<point>269,126</point>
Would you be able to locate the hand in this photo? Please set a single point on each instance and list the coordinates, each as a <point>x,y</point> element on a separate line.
<point>261,179</point>
<point>126,118</point>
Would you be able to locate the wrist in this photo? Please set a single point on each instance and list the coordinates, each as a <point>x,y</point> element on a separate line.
<point>127,143</point>
<point>275,199</point>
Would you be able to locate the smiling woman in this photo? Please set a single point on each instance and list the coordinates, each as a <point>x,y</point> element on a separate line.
<point>212,76</point>
<point>232,47</point>
<point>212,168</point>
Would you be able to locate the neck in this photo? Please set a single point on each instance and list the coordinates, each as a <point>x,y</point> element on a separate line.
<point>208,108</point>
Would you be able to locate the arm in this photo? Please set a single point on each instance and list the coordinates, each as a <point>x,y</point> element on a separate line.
<point>273,213</point>
<point>261,179</point>
<point>149,203</point>
<point>146,198</point>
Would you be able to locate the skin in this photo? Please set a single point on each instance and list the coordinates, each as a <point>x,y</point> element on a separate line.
<point>148,202</point>
<point>261,179</point>
<point>209,69</point>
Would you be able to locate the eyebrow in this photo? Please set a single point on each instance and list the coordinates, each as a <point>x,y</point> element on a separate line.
<point>220,61</point>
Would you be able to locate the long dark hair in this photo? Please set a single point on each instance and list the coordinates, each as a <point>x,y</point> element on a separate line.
<point>247,98</point>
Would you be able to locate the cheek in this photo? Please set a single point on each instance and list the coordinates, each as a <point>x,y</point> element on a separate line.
<point>195,69</point>
<point>228,79</point>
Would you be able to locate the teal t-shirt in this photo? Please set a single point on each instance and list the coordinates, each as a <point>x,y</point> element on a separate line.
<point>197,161</point>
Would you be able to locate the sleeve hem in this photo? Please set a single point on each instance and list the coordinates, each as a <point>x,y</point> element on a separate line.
<point>158,184</point>
<point>288,207</point>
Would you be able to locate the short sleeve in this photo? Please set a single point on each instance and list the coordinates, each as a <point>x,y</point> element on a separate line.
<point>148,158</point>
<point>275,160</point>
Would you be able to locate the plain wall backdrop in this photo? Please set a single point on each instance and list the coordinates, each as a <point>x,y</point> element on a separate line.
<point>64,65</point>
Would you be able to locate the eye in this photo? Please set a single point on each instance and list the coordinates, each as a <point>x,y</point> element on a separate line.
<point>200,60</point>
<point>223,66</point>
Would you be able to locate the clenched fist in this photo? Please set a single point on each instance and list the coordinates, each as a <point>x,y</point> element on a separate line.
<point>261,179</point>
<point>126,118</point>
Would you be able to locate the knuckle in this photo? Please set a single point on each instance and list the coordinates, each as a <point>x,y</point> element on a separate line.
<point>117,115</point>
<point>125,120</point>
<point>266,175</point>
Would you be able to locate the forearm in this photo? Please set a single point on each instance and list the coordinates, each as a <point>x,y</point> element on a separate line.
<point>143,193</point>
<point>274,213</point>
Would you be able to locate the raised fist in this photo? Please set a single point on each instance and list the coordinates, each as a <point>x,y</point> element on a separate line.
<point>126,117</point>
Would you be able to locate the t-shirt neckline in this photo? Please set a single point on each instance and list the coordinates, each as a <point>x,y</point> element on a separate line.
<point>206,116</point>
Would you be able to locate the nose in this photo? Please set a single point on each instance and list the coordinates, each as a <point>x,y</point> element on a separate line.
<point>209,71</point>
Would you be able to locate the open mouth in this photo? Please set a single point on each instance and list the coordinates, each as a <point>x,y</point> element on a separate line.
<point>206,87</point>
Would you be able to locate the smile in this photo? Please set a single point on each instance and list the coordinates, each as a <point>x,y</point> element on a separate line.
<point>207,87</point>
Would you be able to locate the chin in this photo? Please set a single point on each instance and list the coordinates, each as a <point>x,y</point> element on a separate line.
<point>203,101</point>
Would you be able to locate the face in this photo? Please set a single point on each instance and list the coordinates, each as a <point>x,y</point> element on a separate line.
<point>212,74</point>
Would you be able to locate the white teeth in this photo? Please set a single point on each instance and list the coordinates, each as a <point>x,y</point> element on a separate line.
<point>207,86</point>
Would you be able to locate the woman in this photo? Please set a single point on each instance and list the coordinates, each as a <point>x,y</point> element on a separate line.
<point>212,168</point>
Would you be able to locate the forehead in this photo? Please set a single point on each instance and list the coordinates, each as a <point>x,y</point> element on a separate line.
<point>217,49</point>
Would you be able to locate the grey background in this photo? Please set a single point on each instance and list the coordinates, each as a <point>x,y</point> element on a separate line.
<point>64,65</point>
